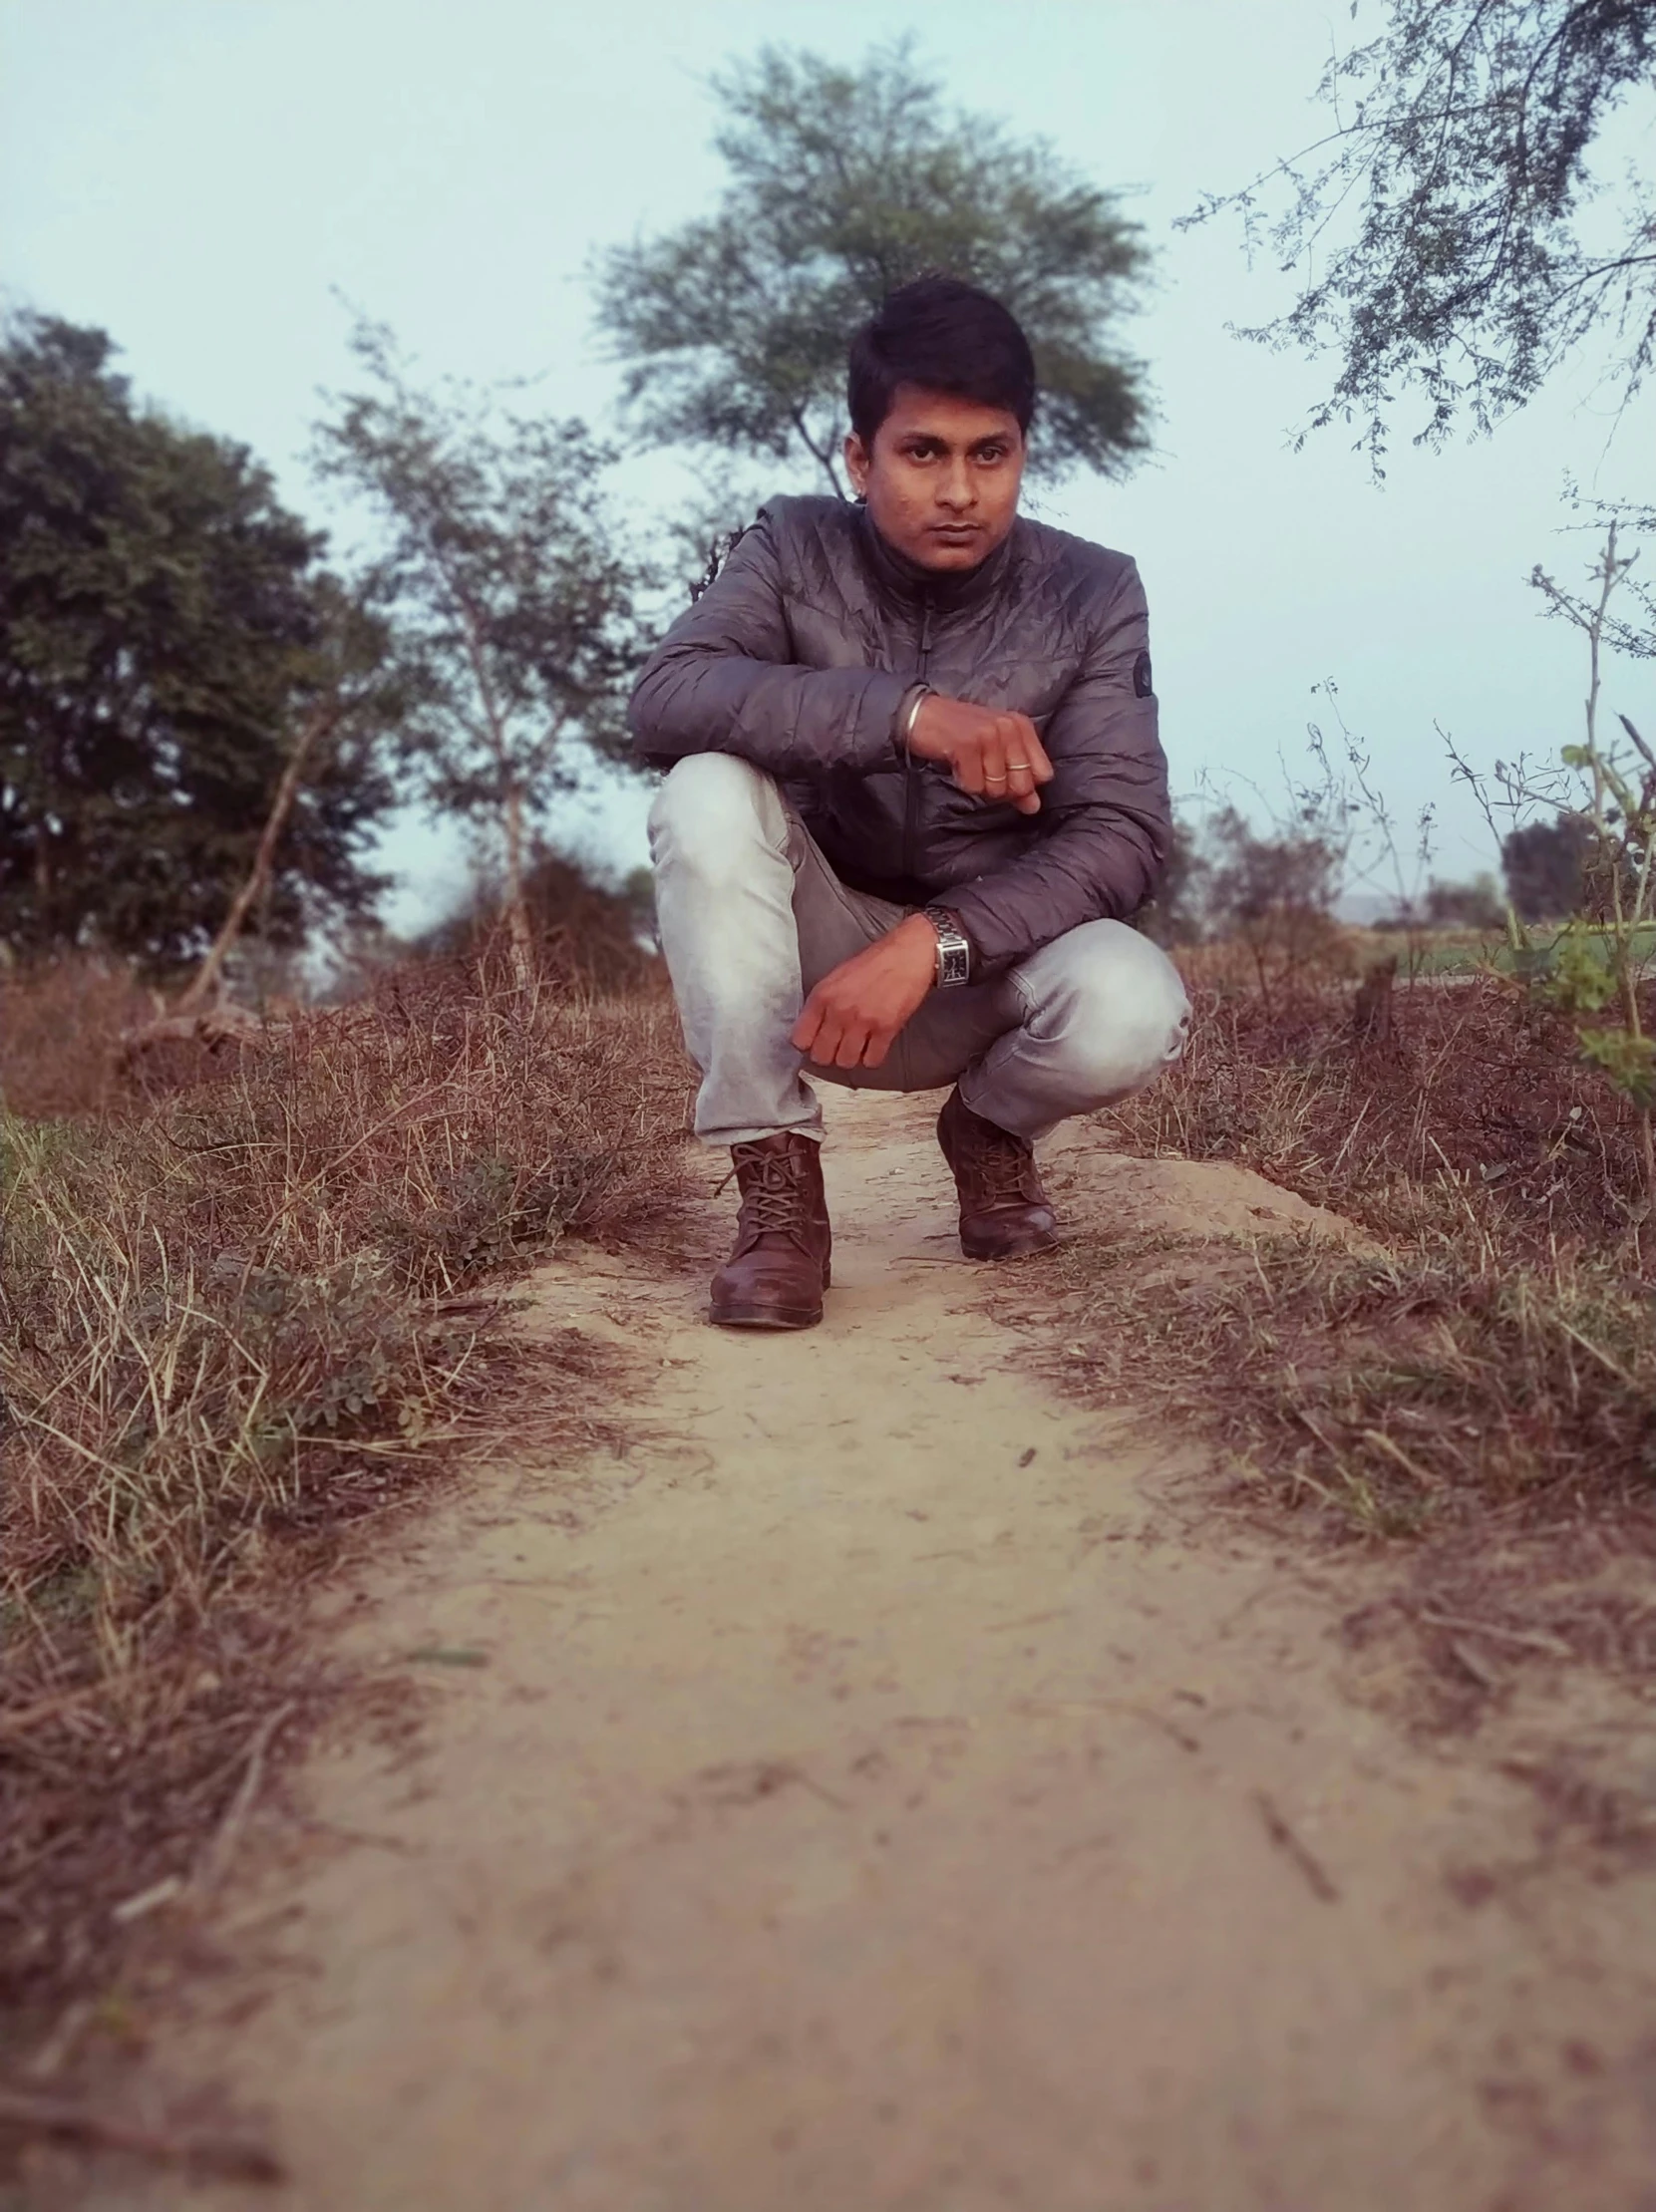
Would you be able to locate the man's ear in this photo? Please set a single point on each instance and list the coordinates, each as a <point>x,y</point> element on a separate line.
<point>856,463</point>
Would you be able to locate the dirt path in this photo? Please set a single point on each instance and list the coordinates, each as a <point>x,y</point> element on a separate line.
<point>877,1795</point>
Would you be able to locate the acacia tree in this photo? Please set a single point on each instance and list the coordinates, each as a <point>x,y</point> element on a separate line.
<point>165,633</point>
<point>1455,230</point>
<point>511,601</point>
<point>845,184</point>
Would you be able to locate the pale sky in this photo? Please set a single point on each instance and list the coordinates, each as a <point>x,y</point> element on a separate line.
<point>205,177</point>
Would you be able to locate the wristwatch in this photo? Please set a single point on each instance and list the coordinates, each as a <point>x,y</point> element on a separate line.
<point>954,947</point>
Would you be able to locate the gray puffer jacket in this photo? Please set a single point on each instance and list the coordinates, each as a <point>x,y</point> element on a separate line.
<point>796,658</point>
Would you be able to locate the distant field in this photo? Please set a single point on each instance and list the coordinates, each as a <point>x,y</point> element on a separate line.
<point>1465,951</point>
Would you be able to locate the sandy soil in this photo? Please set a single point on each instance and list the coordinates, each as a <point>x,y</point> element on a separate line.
<point>887,1789</point>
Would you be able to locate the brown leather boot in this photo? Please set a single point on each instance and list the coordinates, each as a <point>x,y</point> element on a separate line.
<point>1003,1208</point>
<point>779,1267</point>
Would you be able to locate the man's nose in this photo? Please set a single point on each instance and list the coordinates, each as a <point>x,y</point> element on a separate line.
<point>956,489</point>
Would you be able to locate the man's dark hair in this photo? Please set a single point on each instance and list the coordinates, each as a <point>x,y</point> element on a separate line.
<point>945,336</point>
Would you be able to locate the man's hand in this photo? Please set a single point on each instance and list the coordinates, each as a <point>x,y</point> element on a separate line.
<point>994,756</point>
<point>851,1017</point>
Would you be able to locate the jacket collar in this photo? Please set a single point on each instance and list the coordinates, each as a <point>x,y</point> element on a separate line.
<point>905,580</point>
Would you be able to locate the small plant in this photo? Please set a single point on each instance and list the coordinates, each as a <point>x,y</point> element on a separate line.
<point>1621,810</point>
<point>1601,799</point>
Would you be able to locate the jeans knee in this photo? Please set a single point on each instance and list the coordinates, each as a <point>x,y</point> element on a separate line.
<point>1120,1006</point>
<point>710,808</point>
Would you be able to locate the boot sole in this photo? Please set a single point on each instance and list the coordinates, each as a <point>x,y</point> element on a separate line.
<point>765,1317</point>
<point>976,1249</point>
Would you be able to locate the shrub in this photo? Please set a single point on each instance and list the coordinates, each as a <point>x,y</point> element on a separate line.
<point>236,1318</point>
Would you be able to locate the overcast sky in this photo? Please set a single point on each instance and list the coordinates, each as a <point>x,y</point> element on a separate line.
<point>203,177</point>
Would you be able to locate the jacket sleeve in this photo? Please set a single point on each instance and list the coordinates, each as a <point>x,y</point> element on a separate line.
<point>1105,817</point>
<point>724,680</point>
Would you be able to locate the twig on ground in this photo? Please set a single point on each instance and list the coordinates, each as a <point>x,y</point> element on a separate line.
<point>1285,1840</point>
<point>222,1847</point>
<point>1534,1639</point>
<point>34,2114</point>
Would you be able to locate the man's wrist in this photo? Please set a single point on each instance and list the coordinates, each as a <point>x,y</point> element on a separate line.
<point>908,709</point>
<point>954,947</point>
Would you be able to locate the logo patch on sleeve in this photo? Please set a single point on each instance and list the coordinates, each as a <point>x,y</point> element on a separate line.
<point>1140,677</point>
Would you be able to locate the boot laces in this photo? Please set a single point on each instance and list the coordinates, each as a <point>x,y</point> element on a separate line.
<point>1002,1166</point>
<point>775,1199</point>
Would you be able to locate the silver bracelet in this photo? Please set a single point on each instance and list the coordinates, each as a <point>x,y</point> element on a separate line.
<point>910,714</point>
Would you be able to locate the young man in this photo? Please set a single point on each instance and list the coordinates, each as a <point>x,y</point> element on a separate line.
<point>914,791</point>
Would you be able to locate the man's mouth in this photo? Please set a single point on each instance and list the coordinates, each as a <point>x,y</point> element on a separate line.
<point>957,532</point>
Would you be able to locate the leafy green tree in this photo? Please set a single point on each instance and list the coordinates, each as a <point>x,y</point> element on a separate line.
<point>164,630</point>
<point>510,598</point>
<point>1456,232</point>
<point>845,184</point>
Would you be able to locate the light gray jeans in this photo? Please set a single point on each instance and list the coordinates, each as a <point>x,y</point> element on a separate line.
<point>752,916</point>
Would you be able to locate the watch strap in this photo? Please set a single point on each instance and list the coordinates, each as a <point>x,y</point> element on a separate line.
<point>954,947</point>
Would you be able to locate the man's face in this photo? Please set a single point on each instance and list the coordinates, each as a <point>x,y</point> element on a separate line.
<point>941,480</point>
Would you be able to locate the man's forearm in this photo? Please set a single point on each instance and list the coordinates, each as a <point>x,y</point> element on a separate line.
<point>1081,872</point>
<point>787,720</point>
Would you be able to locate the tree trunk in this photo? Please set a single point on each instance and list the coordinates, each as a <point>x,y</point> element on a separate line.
<point>205,981</point>
<point>1372,1014</point>
<point>519,926</point>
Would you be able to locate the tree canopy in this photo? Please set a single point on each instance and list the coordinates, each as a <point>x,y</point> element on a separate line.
<point>845,183</point>
<point>164,627</point>
<point>1546,867</point>
<point>511,599</point>
<point>1456,230</point>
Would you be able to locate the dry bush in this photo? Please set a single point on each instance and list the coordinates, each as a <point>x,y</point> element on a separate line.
<point>582,929</point>
<point>1480,1116</point>
<point>1412,1393</point>
<point>236,1319</point>
<point>1494,1366</point>
<point>60,1026</point>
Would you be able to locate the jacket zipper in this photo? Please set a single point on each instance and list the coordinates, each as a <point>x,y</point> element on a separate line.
<point>911,772</point>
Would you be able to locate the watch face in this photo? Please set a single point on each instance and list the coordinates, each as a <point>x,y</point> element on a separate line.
<point>954,953</point>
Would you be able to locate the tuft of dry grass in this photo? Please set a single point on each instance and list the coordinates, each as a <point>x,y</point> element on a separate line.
<point>1410,1392</point>
<point>58,1024</point>
<point>1481,1115</point>
<point>236,1319</point>
<point>1483,1388</point>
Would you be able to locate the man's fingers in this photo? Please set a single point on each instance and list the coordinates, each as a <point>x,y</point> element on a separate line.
<point>878,1045</point>
<point>1033,750</point>
<point>993,756</point>
<point>1015,734</point>
<point>854,1040</point>
<point>824,1045</point>
<point>1026,763</point>
<point>819,1029</point>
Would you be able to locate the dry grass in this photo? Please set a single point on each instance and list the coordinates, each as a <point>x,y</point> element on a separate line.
<point>1481,1117</point>
<point>1484,1390</point>
<point>236,1319</point>
<point>1410,1394</point>
<point>58,1029</point>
